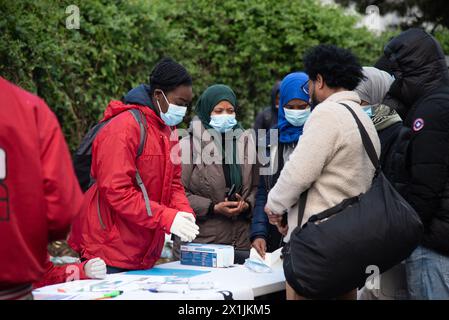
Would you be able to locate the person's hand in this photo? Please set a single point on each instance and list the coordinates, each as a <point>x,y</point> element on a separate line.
<point>243,205</point>
<point>274,219</point>
<point>95,268</point>
<point>184,226</point>
<point>231,208</point>
<point>188,215</point>
<point>261,246</point>
<point>282,229</point>
<point>227,208</point>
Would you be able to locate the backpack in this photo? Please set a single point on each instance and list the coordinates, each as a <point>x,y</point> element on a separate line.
<point>82,159</point>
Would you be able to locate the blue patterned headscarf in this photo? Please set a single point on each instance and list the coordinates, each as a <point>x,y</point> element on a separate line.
<point>293,86</point>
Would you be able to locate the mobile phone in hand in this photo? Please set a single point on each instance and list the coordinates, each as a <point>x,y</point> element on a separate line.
<point>231,194</point>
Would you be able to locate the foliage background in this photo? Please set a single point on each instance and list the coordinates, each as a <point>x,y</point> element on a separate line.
<point>246,44</point>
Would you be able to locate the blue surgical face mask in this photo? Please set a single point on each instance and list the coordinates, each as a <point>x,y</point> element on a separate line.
<point>223,123</point>
<point>257,266</point>
<point>174,114</point>
<point>368,110</point>
<point>296,118</point>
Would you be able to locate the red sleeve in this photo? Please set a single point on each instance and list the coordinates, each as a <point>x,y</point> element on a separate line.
<point>62,192</point>
<point>55,274</point>
<point>114,152</point>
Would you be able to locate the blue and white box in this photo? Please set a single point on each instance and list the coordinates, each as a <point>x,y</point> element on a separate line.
<point>207,255</point>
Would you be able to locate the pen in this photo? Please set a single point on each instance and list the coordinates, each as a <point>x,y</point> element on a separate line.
<point>154,290</point>
<point>111,294</point>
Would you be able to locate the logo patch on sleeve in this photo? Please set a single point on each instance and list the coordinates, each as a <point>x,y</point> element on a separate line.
<point>418,124</point>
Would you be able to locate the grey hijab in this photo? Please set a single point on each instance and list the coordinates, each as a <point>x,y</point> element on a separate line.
<point>373,90</point>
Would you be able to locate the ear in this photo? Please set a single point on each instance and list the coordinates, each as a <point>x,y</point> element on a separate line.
<point>157,94</point>
<point>320,81</point>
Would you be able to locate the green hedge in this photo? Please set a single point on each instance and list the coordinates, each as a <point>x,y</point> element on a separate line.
<point>245,44</point>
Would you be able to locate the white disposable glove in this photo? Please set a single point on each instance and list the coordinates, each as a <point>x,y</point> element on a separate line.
<point>184,226</point>
<point>95,268</point>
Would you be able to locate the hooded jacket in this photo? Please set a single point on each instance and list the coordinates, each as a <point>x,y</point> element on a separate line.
<point>268,117</point>
<point>421,90</point>
<point>114,222</point>
<point>205,186</point>
<point>39,192</point>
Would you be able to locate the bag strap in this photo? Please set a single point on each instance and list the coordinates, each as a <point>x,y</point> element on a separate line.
<point>366,140</point>
<point>302,206</point>
<point>140,118</point>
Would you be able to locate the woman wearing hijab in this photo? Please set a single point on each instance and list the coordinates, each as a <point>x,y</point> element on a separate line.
<point>372,91</point>
<point>220,175</point>
<point>293,113</point>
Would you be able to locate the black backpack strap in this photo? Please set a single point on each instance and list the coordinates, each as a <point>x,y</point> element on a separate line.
<point>140,118</point>
<point>366,140</point>
<point>302,206</point>
<point>86,143</point>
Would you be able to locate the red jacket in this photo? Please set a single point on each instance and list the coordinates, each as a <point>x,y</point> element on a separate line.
<point>55,274</point>
<point>39,192</point>
<point>114,224</point>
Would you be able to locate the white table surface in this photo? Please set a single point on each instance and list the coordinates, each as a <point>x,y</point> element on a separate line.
<point>243,283</point>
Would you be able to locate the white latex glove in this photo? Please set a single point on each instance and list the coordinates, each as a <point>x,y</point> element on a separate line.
<point>188,215</point>
<point>95,268</point>
<point>184,226</point>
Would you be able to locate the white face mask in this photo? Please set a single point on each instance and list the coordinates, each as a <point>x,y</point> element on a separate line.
<point>296,118</point>
<point>223,123</point>
<point>368,110</point>
<point>174,114</point>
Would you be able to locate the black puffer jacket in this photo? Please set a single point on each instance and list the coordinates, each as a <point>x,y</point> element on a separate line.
<point>421,160</point>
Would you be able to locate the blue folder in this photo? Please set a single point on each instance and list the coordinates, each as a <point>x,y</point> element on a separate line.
<point>181,273</point>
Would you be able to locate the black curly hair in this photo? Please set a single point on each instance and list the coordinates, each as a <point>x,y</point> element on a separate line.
<point>338,67</point>
<point>167,75</point>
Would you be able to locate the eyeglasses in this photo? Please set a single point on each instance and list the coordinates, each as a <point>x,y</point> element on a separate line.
<point>305,88</point>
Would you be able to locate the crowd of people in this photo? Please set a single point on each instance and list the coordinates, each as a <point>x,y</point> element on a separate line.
<point>212,186</point>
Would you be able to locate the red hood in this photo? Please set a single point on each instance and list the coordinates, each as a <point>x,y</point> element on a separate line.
<point>116,106</point>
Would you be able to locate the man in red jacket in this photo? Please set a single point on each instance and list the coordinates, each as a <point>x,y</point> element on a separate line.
<point>39,192</point>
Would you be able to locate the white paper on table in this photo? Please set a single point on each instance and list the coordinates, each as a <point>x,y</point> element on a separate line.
<point>270,260</point>
<point>111,283</point>
<point>70,287</point>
